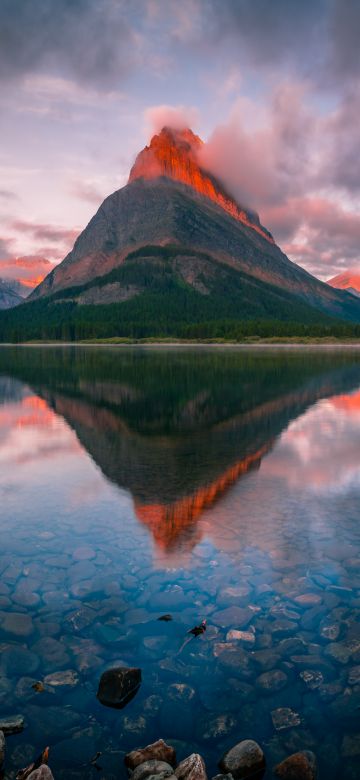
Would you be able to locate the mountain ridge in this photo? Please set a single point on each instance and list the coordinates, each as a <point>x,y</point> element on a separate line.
<point>169,248</point>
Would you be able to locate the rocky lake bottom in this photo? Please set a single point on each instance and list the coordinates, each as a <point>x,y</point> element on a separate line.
<point>128,494</point>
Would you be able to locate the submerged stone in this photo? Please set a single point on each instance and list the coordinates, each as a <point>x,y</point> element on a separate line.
<point>312,678</point>
<point>285,718</point>
<point>246,759</point>
<point>247,637</point>
<point>12,724</point>
<point>68,677</point>
<point>157,750</point>
<point>271,682</point>
<point>118,686</point>
<point>152,767</point>
<point>299,766</point>
<point>240,617</point>
<point>192,768</point>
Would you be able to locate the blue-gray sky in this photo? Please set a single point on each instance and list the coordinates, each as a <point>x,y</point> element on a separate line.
<point>272,86</point>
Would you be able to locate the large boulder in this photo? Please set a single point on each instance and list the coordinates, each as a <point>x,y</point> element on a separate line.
<point>246,759</point>
<point>158,750</point>
<point>192,768</point>
<point>299,766</point>
<point>118,686</point>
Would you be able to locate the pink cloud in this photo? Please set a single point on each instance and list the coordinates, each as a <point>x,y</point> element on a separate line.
<point>29,270</point>
<point>177,117</point>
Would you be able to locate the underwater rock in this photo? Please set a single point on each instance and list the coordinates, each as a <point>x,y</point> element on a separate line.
<point>246,759</point>
<point>118,686</point>
<point>68,677</point>
<point>152,767</point>
<point>12,724</point>
<point>192,768</point>
<point>157,750</point>
<point>271,682</point>
<point>285,718</point>
<point>299,766</point>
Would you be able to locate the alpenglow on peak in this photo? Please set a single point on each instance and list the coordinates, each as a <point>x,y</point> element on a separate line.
<point>174,154</point>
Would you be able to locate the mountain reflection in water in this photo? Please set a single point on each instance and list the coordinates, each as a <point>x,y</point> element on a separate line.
<point>178,428</point>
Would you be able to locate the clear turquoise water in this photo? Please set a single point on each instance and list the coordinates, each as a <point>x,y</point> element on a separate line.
<point>210,483</point>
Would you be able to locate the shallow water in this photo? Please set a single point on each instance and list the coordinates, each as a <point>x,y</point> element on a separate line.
<point>217,484</point>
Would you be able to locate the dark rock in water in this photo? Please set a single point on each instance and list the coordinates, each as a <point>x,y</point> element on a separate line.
<point>192,768</point>
<point>152,768</point>
<point>118,686</point>
<point>165,618</point>
<point>42,773</point>
<point>246,759</point>
<point>2,748</point>
<point>158,751</point>
<point>12,725</point>
<point>271,682</point>
<point>312,678</point>
<point>299,766</point>
<point>285,718</point>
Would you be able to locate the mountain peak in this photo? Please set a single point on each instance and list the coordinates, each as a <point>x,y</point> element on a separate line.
<point>174,153</point>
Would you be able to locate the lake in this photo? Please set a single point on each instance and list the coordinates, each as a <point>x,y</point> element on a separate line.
<point>211,483</point>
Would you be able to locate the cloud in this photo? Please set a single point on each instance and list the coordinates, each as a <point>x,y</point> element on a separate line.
<point>44,232</point>
<point>92,40</point>
<point>318,40</point>
<point>5,248</point>
<point>177,117</point>
<point>265,163</point>
<point>88,192</point>
<point>8,195</point>
<point>28,270</point>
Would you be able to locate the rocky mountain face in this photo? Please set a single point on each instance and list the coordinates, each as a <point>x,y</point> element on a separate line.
<point>10,294</point>
<point>347,280</point>
<point>171,201</point>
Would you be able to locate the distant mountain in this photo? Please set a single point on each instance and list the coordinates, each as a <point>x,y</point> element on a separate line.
<point>172,248</point>
<point>347,280</point>
<point>10,294</point>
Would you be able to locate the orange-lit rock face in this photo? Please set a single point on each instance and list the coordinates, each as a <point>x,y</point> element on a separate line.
<point>173,153</point>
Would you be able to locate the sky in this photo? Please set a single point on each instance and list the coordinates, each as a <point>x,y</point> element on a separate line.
<point>271,86</point>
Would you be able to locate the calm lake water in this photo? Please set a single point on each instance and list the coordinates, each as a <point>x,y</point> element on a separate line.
<point>213,483</point>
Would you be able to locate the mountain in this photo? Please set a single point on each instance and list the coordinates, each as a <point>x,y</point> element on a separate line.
<point>347,280</point>
<point>10,294</point>
<point>171,249</point>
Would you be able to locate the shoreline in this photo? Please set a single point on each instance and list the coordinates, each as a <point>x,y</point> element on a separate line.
<point>258,344</point>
